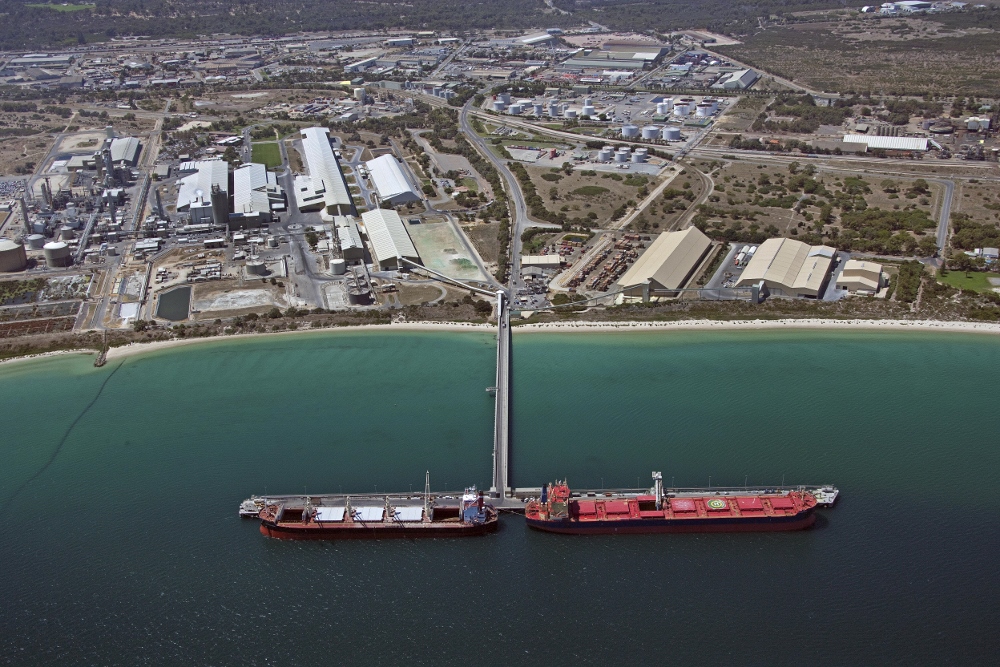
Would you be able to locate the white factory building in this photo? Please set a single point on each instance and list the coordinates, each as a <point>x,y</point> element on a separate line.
<point>789,268</point>
<point>390,181</point>
<point>125,151</point>
<point>887,143</point>
<point>389,239</point>
<point>862,277</point>
<point>197,185</point>
<point>739,80</point>
<point>256,196</point>
<point>324,188</point>
<point>669,263</point>
<point>349,238</point>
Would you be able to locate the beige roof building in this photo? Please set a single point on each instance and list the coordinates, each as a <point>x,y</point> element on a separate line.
<point>669,262</point>
<point>861,276</point>
<point>789,268</point>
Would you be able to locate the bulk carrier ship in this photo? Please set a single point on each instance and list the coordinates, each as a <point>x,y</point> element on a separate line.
<point>333,518</point>
<point>688,511</point>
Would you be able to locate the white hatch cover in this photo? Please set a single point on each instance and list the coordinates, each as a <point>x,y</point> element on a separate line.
<point>409,513</point>
<point>368,514</point>
<point>329,513</point>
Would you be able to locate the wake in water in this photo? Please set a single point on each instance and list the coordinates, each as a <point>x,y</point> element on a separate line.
<point>69,430</point>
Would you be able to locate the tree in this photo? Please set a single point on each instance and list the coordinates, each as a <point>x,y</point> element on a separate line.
<point>312,238</point>
<point>274,314</point>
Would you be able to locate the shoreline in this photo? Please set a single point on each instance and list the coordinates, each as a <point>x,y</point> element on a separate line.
<point>940,326</point>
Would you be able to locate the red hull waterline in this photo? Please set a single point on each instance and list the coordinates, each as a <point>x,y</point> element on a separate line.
<point>614,527</point>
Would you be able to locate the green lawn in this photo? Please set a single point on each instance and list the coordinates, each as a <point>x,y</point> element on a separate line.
<point>61,8</point>
<point>470,183</point>
<point>974,281</point>
<point>266,153</point>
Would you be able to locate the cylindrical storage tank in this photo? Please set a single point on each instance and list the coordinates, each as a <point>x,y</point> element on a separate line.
<point>57,254</point>
<point>588,110</point>
<point>630,131</point>
<point>109,131</point>
<point>587,102</point>
<point>38,227</point>
<point>681,110</point>
<point>359,94</point>
<point>622,155</point>
<point>639,156</point>
<point>35,241</point>
<point>499,106</point>
<point>553,108</point>
<point>539,108</point>
<point>66,233</point>
<point>703,110</point>
<point>570,113</point>
<point>514,109</point>
<point>650,132</point>
<point>662,108</point>
<point>72,223</point>
<point>272,241</point>
<point>71,211</point>
<point>255,267</point>
<point>504,97</point>
<point>12,256</point>
<point>671,134</point>
<point>606,155</point>
<point>338,267</point>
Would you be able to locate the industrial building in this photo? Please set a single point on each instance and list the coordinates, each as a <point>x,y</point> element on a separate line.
<point>669,263</point>
<point>789,268</point>
<point>887,143</point>
<point>201,177</point>
<point>324,188</point>
<point>125,151</point>
<point>861,277</point>
<point>390,181</point>
<point>349,238</point>
<point>256,196</point>
<point>739,80</point>
<point>389,239</point>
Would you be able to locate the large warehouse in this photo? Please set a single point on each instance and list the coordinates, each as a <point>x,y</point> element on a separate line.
<point>390,181</point>
<point>324,188</point>
<point>861,276</point>
<point>389,239</point>
<point>887,143</point>
<point>197,185</point>
<point>256,195</point>
<point>789,268</point>
<point>669,262</point>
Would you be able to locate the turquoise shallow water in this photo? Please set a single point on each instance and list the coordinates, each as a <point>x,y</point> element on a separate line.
<point>122,544</point>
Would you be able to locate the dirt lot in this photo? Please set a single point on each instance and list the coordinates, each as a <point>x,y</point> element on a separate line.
<point>484,238</point>
<point>593,196</point>
<point>979,201</point>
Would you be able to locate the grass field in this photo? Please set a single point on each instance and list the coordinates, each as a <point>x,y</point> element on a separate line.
<point>973,281</point>
<point>267,154</point>
<point>60,8</point>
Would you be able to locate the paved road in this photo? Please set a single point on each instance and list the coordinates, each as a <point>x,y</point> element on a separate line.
<point>945,216</point>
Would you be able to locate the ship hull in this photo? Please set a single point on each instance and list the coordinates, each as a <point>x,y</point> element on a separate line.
<point>371,531</point>
<point>799,521</point>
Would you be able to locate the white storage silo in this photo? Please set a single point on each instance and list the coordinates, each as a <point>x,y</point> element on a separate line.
<point>514,109</point>
<point>681,110</point>
<point>57,253</point>
<point>570,113</point>
<point>703,111</point>
<point>35,241</point>
<point>499,106</point>
<point>650,132</point>
<point>504,97</point>
<point>338,267</point>
<point>607,154</point>
<point>554,108</point>
<point>66,233</point>
<point>671,134</point>
<point>588,110</point>
<point>539,108</point>
<point>38,227</point>
<point>630,131</point>
<point>640,155</point>
<point>622,155</point>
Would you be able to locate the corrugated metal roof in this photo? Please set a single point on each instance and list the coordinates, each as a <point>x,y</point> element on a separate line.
<point>125,149</point>
<point>199,184</point>
<point>669,259</point>
<point>792,265</point>
<point>388,235</point>
<point>389,180</point>
<point>250,188</point>
<point>888,143</point>
<point>325,177</point>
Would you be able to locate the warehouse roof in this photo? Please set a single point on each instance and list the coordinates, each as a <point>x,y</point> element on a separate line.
<point>888,143</point>
<point>325,178</point>
<point>125,149</point>
<point>388,235</point>
<point>253,188</point>
<point>198,186</point>
<point>670,260</point>
<point>794,266</point>
<point>389,180</point>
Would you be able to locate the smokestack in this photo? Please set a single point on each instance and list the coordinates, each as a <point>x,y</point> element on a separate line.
<point>47,192</point>
<point>24,216</point>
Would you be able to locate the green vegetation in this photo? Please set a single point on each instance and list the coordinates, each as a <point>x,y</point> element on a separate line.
<point>20,291</point>
<point>968,234</point>
<point>588,190</point>
<point>808,117</point>
<point>908,281</point>
<point>268,154</point>
<point>971,281</point>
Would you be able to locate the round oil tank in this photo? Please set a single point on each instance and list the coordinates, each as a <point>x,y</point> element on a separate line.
<point>622,156</point>
<point>109,131</point>
<point>71,211</point>
<point>630,131</point>
<point>255,267</point>
<point>338,267</point>
<point>272,241</point>
<point>587,102</point>
<point>35,241</point>
<point>499,106</point>
<point>504,97</point>
<point>72,223</point>
<point>515,109</point>
<point>671,134</point>
<point>588,110</point>
<point>639,156</point>
<point>12,256</point>
<point>606,155</point>
<point>66,233</point>
<point>681,110</point>
<point>39,227</point>
<point>650,132</point>
<point>662,108</point>
<point>539,108</point>
<point>57,253</point>
<point>703,110</point>
<point>570,113</point>
<point>553,108</point>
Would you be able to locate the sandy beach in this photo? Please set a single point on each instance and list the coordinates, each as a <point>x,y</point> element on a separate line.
<point>564,327</point>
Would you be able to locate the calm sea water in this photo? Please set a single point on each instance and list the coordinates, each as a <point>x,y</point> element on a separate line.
<point>121,543</point>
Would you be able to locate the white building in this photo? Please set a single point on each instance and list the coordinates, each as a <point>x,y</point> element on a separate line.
<point>861,276</point>
<point>197,185</point>
<point>125,151</point>
<point>324,188</point>
<point>390,181</point>
<point>887,143</point>
<point>389,239</point>
<point>789,268</point>
<point>256,195</point>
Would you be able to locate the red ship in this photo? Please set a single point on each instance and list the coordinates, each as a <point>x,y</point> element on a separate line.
<point>696,511</point>
<point>299,519</point>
